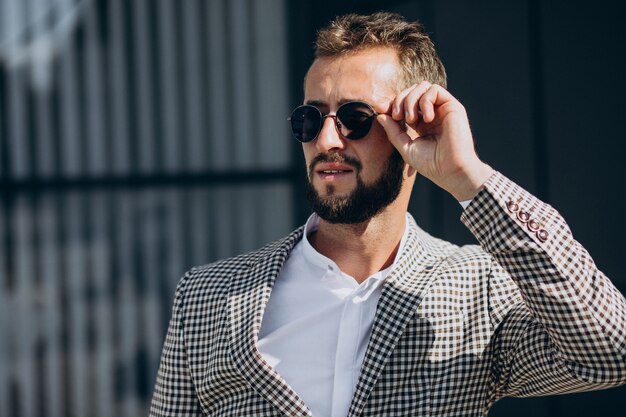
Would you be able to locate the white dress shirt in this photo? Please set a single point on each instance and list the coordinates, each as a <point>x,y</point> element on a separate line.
<point>317,324</point>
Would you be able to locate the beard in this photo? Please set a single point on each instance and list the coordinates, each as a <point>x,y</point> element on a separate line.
<point>366,200</point>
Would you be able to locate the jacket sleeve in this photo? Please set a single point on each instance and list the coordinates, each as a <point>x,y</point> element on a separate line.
<point>174,392</point>
<point>568,333</point>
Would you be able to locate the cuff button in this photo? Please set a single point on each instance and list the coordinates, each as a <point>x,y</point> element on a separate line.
<point>513,207</point>
<point>523,216</point>
<point>533,225</point>
<point>542,235</point>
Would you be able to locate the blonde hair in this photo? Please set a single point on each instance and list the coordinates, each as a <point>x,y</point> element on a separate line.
<point>353,33</point>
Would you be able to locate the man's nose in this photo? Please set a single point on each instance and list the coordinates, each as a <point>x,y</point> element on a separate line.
<point>329,138</point>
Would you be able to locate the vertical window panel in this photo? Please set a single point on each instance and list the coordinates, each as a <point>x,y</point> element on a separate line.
<point>193,82</point>
<point>129,308</point>
<point>23,314</point>
<point>103,304</point>
<point>201,214</point>
<point>143,87</point>
<point>75,258</point>
<point>220,133</point>
<point>50,270</point>
<point>4,315</point>
<point>120,138</point>
<point>241,117</point>
<point>17,140</point>
<point>149,216</point>
<point>95,100</point>
<point>169,122</point>
<point>272,135</point>
<point>71,113</point>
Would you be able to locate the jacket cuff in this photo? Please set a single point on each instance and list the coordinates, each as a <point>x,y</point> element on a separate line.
<point>503,213</point>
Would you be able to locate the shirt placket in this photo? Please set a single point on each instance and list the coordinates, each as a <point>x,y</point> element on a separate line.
<point>348,338</point>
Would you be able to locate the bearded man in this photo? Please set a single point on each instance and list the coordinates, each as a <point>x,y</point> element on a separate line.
<point>360,312</point>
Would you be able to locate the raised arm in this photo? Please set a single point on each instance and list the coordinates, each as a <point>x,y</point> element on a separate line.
<point>569,333</point>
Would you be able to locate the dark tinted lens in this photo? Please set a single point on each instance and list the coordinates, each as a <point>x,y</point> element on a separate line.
<point>305,123</point>
<point>356,119</point>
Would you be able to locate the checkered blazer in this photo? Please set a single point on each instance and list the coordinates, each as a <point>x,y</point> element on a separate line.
<point>525,313</point>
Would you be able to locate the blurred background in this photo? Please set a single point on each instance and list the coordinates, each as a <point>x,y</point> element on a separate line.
<point>141,137</point>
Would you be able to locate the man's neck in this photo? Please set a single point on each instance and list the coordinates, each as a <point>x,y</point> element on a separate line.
<point>362,249</point>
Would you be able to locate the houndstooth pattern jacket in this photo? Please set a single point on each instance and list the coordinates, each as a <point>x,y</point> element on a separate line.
<point>457,328</point>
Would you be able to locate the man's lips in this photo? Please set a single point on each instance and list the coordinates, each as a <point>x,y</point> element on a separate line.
<point>326,166</point>
<point>333,168</point>
<point>333,171</point>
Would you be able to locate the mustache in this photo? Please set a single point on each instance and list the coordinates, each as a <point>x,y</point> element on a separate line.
<point>337,158</point>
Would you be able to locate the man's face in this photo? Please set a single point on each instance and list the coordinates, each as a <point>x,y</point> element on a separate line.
<point>350,181</point>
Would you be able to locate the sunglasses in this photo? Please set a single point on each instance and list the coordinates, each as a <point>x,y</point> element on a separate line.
<point>353,120</point>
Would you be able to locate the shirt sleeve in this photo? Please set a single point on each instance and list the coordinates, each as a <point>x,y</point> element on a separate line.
<point>569,332</point>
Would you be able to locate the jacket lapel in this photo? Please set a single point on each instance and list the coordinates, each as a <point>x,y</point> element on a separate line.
<point>403,291</point>
<point>248,295</point>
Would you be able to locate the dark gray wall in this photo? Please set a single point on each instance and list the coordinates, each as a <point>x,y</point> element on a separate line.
<point>543,86</point>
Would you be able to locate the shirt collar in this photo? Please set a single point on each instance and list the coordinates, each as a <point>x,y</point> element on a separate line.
<point>316,258</point>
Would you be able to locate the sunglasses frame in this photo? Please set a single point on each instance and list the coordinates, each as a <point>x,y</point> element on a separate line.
<point>338,124</point>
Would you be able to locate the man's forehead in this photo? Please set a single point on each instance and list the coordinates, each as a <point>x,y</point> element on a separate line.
<point>370,76</point>
<point>321,103</point>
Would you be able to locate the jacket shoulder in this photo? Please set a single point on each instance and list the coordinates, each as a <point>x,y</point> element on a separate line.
<point>451,253</point>
<point>214,278</point>
<point>469,253</point>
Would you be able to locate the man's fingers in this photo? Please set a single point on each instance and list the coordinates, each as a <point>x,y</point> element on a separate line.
<point>404,105</point>
<point>420,103</point>
<point>428,101</point>
<point>426,105</point>
<point>397,110</point>
<point>411,103</point>
<point>395,132</point>
<point>432,99</point>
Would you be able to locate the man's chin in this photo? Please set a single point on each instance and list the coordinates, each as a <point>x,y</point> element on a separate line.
<point>334,191</point>
<point>350,203</point>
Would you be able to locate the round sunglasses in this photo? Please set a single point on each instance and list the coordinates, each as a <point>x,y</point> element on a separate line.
<point>353,120</point>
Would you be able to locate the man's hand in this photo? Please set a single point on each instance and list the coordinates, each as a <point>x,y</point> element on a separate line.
<point>438,142</point>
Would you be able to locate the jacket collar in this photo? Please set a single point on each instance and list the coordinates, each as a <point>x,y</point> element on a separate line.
<point>248,295</point>
<point>250,290</point>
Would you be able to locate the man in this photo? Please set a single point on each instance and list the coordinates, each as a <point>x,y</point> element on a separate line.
<point>360,312</point>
